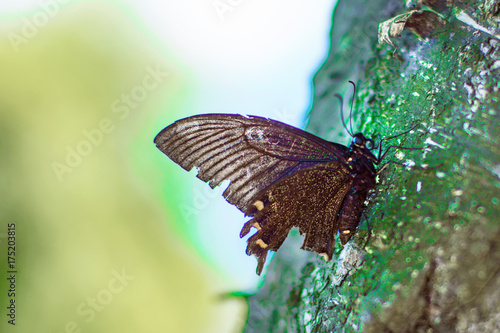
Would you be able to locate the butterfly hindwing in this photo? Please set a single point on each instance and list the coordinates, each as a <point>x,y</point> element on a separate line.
<point>309,199</point>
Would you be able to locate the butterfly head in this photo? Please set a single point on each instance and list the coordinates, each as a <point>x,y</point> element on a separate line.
<point>359,141</point>
<point>360,155</point>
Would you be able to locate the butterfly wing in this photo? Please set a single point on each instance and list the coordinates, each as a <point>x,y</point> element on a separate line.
<point>309,199</point>
<point>252,152</point>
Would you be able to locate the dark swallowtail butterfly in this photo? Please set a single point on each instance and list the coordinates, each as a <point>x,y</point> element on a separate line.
<point>281,176</point>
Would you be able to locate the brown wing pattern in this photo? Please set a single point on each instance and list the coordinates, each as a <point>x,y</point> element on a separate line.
<point>251,152</point>
<point>309,199</point>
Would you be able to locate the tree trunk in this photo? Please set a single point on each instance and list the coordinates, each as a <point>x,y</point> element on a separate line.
<point>426,255</point>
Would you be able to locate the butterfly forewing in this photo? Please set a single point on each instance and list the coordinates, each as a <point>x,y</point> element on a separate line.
<point>252,152</point>
<point>282,176</point>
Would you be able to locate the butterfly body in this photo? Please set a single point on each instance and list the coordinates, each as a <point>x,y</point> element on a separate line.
<point>281,176</point>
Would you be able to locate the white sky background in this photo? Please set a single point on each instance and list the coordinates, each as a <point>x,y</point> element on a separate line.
<point>257,57</point>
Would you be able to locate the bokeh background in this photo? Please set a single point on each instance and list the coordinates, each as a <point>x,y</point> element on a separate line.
<point>111,235</point>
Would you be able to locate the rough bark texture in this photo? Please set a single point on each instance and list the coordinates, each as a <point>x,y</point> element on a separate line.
<point>432,263</point>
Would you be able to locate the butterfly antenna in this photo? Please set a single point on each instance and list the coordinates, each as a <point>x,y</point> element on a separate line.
<point>352,104</point>
<point>342,113</point>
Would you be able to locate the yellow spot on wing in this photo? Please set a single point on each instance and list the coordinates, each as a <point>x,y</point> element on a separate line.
<point>261,243</point>
<point>325,256</point>
<point>346,232</point>
<point>259,205</point>
<point>257,226</point>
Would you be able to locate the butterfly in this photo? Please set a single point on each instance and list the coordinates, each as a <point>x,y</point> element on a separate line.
<point>281,176</point>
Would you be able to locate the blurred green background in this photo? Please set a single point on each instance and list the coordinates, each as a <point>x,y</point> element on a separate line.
<point>100,214</point>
